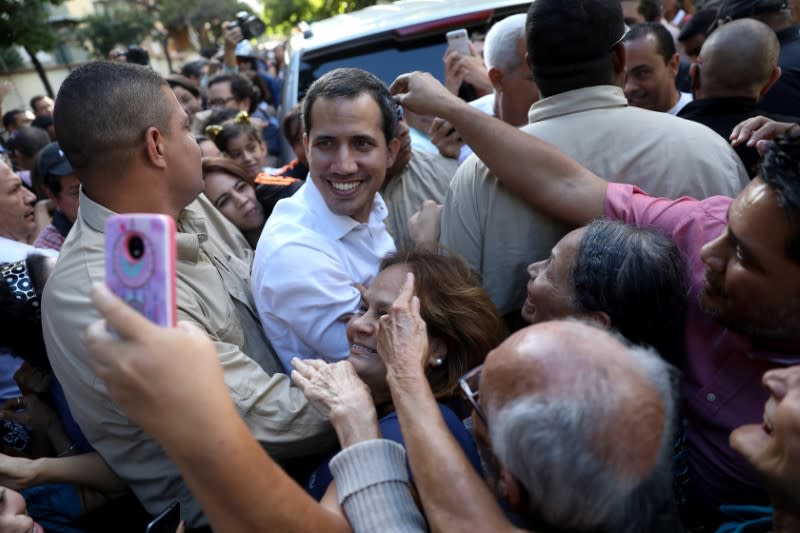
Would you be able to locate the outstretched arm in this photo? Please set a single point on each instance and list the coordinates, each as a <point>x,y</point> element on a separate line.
<point>539,172</point>
<point>88,469</point>
<point>444,477</point>
<point>154,374</point>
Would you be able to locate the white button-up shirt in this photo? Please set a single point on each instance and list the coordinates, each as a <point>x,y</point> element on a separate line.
<point>307,263</point>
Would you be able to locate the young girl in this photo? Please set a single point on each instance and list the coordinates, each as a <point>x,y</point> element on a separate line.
<point>240,140</point>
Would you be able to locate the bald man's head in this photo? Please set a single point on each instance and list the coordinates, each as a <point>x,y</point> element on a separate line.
<point>557,396</point>
<point>739,59</point>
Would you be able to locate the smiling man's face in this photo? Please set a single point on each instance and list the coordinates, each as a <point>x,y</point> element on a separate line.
<point>348,154</point>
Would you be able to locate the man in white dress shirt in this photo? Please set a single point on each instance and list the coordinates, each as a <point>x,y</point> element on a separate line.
<point>321,244</point>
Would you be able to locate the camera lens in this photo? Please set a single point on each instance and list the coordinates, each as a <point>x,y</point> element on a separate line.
<point>135,247</point>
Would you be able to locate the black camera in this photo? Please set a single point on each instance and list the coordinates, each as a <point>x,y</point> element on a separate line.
<point>250,25</point>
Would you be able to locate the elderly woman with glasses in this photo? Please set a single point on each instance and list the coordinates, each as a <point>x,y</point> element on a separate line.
<point>462,327</point>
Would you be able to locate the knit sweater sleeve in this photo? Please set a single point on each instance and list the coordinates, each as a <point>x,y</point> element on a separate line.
<point>372,483</point>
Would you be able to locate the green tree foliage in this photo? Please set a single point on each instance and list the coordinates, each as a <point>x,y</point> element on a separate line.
<point>179,14</point>
<point>24,23</point>
<point>129,25</point>
<point>282,15</point>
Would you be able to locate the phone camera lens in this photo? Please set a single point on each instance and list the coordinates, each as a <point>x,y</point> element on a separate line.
<point>136,247</point>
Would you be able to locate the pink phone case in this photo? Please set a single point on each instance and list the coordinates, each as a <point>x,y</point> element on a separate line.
<point>140,264</point>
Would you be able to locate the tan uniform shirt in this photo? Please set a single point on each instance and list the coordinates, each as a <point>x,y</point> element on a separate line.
<point>426,177</point>
<point>213,291</point>
<point>499,234</point>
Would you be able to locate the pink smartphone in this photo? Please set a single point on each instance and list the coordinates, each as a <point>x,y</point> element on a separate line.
<point>140,264</point>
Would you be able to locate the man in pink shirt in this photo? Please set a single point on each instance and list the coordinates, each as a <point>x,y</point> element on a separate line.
<point>743,255</point>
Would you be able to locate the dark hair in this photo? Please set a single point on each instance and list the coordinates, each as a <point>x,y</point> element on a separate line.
<point>456,310</point>
<point>292,119</point>
<point>28,141</point>
<point>650,10</point>
<point>137,55</point>
<point>35,100</point>
<point>22,320</point>
<point>700,23</point>
<point>780,170</point>
<point>125,99</point>
<point>636,276</point>
<point>665,45</point>
<point>10,117</point>
<point>227,166</point>
<point>241,87</point>
<point>571,44</point>
<point>350,83</point>
<point>230,129</point>
<point>193,69</point>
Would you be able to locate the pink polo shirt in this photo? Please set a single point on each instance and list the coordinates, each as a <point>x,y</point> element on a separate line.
<point>721,386</point>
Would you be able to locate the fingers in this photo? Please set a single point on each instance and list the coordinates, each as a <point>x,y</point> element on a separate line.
<point>127,322</point>
<point>403,300</point>
<point>399,86</point>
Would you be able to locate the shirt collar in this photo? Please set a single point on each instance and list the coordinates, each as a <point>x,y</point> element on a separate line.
<point>337,226</point>
<point>191,226</point>
<point>576,101</point>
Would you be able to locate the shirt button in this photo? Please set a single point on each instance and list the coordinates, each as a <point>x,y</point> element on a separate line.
<point>711,397</point>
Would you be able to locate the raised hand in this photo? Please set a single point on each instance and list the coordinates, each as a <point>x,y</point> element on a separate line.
<point>403,335</point>
<point>339,394</point>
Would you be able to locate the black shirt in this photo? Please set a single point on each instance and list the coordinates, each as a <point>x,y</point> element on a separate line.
<point>723,114</point>
<point>784,97</point>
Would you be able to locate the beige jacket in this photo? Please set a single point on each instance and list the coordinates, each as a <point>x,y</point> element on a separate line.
<point>213,291</point>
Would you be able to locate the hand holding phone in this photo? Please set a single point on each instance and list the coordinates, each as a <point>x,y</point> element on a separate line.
<point>140,264</point>
<point>458,40</point>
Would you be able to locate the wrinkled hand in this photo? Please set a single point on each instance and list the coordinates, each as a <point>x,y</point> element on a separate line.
<point>16,473</point>
<point>422,93</point>
<point>776,456</point>
<point>758,131</point>
<point>154,373</point>
<point>402,334</point>
<point>445,137</point>
<point>426,224</point>
<point>339,394</point>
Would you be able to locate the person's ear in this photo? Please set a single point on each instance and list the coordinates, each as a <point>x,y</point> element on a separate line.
<point>774,76</point>
<point>510,489</point>
<point>674,64</point>
<point>437,353</point>
<point>391,151</point>
<point>618,59</point>
<point>154,147</point>
<point>496,77</point>
<point>600,318</point>
<point>244,105</point>
<point>694,76</point>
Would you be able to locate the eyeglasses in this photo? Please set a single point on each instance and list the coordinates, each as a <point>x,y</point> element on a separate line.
<point>219,102</point>
<point>470,390</point>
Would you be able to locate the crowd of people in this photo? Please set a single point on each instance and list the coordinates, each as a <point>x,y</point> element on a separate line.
<point>557,292</point>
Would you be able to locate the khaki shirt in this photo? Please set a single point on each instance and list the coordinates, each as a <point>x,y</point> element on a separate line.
<point>426,177</point>
<point>213,291</point>
<point>499,234</point>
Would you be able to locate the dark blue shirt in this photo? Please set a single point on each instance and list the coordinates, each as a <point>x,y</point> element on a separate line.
<point>390,429</point>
